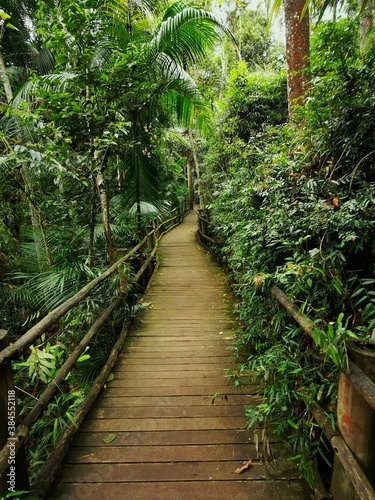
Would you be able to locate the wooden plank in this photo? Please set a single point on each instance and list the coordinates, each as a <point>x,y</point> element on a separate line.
<point>162,424</point>
<point>178,352</point>
<point>180,342</point>
<point>133,359</point>
<point>239,400</point>
<point>194,490</point>
<point>205,391</point>
<point>208,410</point>
<point>176,471</point>
<point>173,437</point>
<point>167,370</point>
<point>176,381</point>
<point>170,454</point>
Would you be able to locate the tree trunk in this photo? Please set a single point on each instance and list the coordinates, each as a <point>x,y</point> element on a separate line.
<point>366,9</point>
<point>5,79</point>
<point>297,52</point>
<point>106,221</point>
<point>45,240</point>
<point>137,173</point>
<point>197,172</point>
<point>190,184</point>
<point>92,228</point>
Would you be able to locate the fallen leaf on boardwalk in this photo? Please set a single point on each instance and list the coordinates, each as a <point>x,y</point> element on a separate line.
<point>110,377</point>
<point>109,438</point>
<point>243,467</point>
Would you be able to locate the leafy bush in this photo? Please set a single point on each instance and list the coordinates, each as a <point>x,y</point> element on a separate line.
<point>295,206</point>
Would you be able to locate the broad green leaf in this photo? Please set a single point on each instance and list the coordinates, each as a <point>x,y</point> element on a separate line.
<point>110,438</point>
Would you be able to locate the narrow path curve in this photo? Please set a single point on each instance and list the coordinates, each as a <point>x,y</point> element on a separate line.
<point>173,439</point>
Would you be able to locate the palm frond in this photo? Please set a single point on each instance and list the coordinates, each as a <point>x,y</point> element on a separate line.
<point>142,180</point>
<point>134,10</point>
<point>51,82</point>
<point>184,99</point>
<point>185,33</point>
<point>177,89</point>
<point>44,62</point>
<point>146,209</point>
<point>14,130</point>
<point>45,291</point>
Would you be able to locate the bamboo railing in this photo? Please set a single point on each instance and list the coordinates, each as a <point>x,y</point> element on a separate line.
<point>13,431</point>
<point>353,437</point>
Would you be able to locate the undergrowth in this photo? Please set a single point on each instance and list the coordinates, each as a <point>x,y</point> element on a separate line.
<point>294,205</point>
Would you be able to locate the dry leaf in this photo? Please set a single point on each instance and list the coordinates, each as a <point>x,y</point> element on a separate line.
<point>243,467</point>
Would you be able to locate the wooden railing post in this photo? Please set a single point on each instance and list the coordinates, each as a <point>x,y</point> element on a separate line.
<point>356,422</point>
<point>158,228</point>
<point>15,478</point>
<point>150,245</point>
<point>150,237</point>
<point>123,270</point>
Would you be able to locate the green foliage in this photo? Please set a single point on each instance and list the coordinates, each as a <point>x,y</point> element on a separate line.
<point>253,101</point>
<point>45,432</point>
<point>257,49</point>
<point>295,207</point>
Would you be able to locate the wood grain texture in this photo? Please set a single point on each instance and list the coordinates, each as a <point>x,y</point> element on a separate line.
<point>179,424</point>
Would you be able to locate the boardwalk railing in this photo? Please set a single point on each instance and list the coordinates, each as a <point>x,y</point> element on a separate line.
<point>13,432</point>
<point>353,438</point>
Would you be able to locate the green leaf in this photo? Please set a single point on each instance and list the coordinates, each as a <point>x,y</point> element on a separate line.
<point>70,417</point>
<point>4,16</point>
<point>110,438</point>
<point>110,377</point>
<point>46,363</point>
<point>292,424</point>
<point>83,357</point>
<point>8,25</point>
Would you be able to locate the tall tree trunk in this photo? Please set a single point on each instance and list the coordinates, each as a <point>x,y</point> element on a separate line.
<point>92,228</point>
<point>190,184</point>
<point>297,52</point>
<point>197,171</point>
<point>137,173</point>
<point>106,221</point>
<point>5,79</point>
<point>366,9</point>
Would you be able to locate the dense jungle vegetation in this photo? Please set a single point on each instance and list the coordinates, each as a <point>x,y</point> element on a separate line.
<point>106,106</point>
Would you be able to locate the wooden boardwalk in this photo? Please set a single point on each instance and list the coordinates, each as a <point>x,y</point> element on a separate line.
<point>173,440</point>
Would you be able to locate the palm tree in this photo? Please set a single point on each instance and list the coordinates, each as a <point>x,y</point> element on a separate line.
<point>170,42</point>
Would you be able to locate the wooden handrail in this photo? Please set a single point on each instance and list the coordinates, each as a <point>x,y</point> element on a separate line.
<point>52,464</point>
<point>352,469</point>
<point>20,345</point>
<point>360,383</point>
<point>15,350</point>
